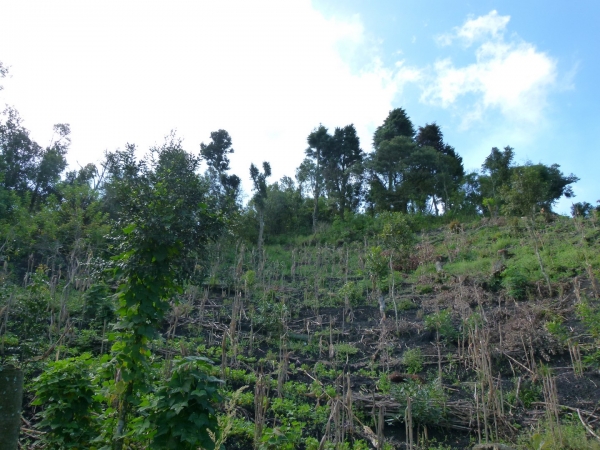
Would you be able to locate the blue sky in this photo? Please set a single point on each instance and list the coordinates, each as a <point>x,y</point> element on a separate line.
<point>490,73</point>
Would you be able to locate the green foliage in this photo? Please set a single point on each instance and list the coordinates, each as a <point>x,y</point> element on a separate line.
<point>405,305</point>
<point>165,226</point>
<point>397,234</point>
<point>590,316</point>
<point>384,384</point>
<point>285,437</point>
<point>424,289</point>
<point>529,392</point>
<point>533,187</point>
<point>66,392</point>
<point>441,323</point>
<point>377,264</point>
<point>558,330</point>
<point>413,360</point>
<point>515,283</point>
<point>343,350</point>
<point>427,401</point>
<point>352,292</point>
<point>342,169</point>
<point>569,435</point>
<point>183,411</point>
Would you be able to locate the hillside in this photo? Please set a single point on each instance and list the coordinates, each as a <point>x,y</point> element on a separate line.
<point>485,331</point>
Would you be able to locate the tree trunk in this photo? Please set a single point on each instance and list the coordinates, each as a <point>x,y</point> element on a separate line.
<point>261,227</point>
<point>11,399</point>
<point>317,193</point>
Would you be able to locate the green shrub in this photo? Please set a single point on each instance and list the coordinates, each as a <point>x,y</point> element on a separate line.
<point>427,401</point>
<point>413,360</point>
<point>515,283</point>
<point>424,289</point>
<point>65,390</point>
<point>406,305</point>
<point>441,323</point>
<point>183,411</point>
<point>343,350</point>
<point>570,435</point>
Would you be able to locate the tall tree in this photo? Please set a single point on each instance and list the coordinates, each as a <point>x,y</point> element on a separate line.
<point>163,227</point>
<point>319,142</point>
<point>497,169</point>
<point>447,171</point>
<point>534,187</point>
<point>27,167</point>
<point>3,73</point>
<point>397,123</point>
<point>388,168</point>
<point>342,170</point>
<point>259,181</point>
<point>388,165</point>
<point>215,154</point>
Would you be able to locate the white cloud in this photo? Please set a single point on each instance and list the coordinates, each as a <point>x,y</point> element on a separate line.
<point>266,71</point>
<point>508,75</point>
<point>491,25</point>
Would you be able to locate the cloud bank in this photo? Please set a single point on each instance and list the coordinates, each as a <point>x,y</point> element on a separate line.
<point>266,71</point>
<point>509,75</point>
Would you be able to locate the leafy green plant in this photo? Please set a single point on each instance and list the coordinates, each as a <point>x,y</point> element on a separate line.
<point>344,350</point>
<point>384,384</point>
<point>66,392</point>
<point>441,323</point>
<point>397,234</point>
<point>164,227</point>
<point>515,283</point>
<point>569,435</point>
<point>413,360</point>
<point>183,411</point>
<point>590,316</point>
<point>377,265</point>
<point>406,305</point>
<point>285,437</point>
<point>424,289</point>
<point>427,401</point>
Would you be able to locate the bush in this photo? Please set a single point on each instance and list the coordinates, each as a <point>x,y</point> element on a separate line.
<point>427,401</point>
<point>441,323</point>
<point>413,360</point>
<point>65,390</point>
<point>183,411</point>
<point>515,284</point>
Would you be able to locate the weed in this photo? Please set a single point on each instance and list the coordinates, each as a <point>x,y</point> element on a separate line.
<point>343,350</point>
<point>515,283</point>
<point>424,289</point>
<point>413,360</point>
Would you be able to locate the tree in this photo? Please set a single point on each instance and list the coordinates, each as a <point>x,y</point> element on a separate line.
<point>496,173</point>
<point>284,211</point>
<point>397,123</point>
<point>319,142</point>
<point>533,187</point>
<point>3,73</point>
<point>215,153</point>
<point>342,169</point>
<point>388,167</point>
<point>28,168</point>
<point>420,178</point>
<point>448,170</point>
<point>260,196</point>
<point>163,226</point>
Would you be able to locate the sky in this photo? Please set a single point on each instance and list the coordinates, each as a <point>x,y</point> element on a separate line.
<point>490,73</point>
